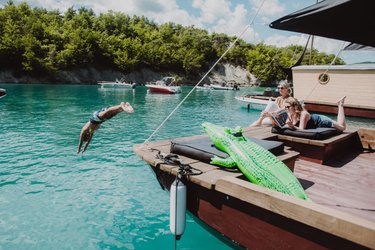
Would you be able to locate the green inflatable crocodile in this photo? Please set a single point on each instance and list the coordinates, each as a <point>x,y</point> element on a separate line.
<point>259,165</point>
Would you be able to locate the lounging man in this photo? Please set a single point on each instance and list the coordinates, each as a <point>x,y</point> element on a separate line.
<point>285,91</point>
<point>299,118</point>
<point>97,118</point>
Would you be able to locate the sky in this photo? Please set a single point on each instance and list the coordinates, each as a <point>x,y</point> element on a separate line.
<point>246,18</point>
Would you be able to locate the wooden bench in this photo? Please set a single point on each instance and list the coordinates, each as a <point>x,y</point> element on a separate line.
<point>322,151</point>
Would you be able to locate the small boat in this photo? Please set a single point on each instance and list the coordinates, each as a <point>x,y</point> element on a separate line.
<point>204,87</point>
<point>3,93</point>
<point>117,84</point>
<point>257,102</point>
<point>164,86</point>
<point>225,86</point>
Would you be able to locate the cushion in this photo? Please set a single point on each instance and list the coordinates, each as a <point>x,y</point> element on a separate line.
<point>314,134</point>
<point>202,149</point>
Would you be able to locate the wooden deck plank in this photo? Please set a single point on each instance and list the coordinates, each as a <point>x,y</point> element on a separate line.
<point>259,133</point>
<point>209,178</point>
<point>350,186</point>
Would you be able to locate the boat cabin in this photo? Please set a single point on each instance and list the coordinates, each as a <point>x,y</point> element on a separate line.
<point>321,86</point>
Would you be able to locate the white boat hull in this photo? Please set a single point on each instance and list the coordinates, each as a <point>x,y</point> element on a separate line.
<point>117,85</point>
<point>220,87</point>
<point>204,88</point>
<point>253,102</point>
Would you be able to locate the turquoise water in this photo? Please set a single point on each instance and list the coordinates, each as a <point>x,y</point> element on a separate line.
<point>52,198</point>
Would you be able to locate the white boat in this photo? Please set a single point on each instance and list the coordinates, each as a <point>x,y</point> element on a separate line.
<point>224,87</point>
<point>255,102</point>
<point>164,86</point>
<point>116,84</point>
<point>204,87</point>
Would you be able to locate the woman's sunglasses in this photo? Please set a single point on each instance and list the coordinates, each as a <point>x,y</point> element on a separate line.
<point>287,107</point>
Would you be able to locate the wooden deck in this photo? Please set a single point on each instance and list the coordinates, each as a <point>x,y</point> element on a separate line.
<point>342,213</point>
<point>347,184</point>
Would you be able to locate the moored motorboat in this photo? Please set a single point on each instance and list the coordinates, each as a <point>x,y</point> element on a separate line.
<point>117,84</point>
<point>224,86</point>
<point>204,87</point>
<point>164,86</point>
<point>254,101</point>
<point>163,89</point>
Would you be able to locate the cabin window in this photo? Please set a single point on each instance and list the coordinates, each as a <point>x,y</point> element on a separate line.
<point>323,78</point>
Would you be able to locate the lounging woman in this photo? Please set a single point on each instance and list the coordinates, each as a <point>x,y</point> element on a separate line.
<point>285,92</point>
<point>299,118</point>
<point>97,118</point>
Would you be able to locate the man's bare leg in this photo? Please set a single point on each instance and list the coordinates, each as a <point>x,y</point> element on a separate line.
<point>114,110</point>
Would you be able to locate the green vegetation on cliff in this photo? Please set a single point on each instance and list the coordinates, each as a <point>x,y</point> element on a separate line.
<point>36,41</point>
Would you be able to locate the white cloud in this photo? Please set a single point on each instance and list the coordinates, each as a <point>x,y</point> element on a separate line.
<point>326,45</point>
<point>237,24</point>
<point>211,10</point>
<point>268,7</point>
<point>282,41</point>
<point>329,46</point>
<point>222,16</point>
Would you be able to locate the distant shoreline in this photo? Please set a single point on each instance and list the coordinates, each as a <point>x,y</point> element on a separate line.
<point>91,75</point>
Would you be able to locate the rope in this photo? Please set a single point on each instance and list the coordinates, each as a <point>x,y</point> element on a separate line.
<point>172,159</point>
<point>232,44</point>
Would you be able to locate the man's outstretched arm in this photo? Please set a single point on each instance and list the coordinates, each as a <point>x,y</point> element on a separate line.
<point>87,143</point>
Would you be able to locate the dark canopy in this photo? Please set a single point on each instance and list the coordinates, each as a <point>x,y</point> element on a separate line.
<point>347,20</point>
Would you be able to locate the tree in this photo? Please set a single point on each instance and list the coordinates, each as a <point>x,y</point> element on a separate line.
<point>40,41</point>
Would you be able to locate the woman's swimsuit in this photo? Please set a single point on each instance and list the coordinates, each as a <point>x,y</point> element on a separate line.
<point>318,121</point>
<point>95,116</point>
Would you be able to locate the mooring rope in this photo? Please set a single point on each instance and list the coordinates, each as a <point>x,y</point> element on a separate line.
<point>232,44</point>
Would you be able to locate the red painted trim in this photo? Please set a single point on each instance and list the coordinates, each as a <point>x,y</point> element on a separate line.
<point>349,111</point>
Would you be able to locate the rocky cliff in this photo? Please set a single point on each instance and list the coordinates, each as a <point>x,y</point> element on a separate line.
<point>222,73</point>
